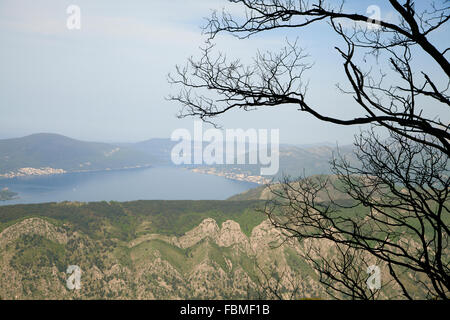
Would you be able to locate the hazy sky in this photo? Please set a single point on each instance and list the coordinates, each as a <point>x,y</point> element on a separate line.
<point>108,81</point>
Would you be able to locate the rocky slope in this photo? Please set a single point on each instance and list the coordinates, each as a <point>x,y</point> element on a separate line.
<point>155,250</point>
<point>209,261</point>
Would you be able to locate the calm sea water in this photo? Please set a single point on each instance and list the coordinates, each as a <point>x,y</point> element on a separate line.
<point>162,183</point>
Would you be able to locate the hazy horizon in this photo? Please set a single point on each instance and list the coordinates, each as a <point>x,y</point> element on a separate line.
<point>108,80</point>
<point>320,143</point>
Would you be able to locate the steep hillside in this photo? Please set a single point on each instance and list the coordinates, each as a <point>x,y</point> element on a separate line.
<point>59,152</point>
<point>266,193</point>
<point>122,255</point>
<point>152,250</point>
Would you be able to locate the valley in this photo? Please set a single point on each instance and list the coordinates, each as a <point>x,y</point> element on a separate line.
<point>149,243</point>
<point>50,154</point>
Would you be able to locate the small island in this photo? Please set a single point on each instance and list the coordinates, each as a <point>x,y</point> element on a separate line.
<point>6,194</point>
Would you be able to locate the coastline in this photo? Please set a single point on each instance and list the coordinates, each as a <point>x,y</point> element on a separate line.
<point>155,183</point>
<point>8,195</point>
<point>47,171</point>
<point>231,175</point>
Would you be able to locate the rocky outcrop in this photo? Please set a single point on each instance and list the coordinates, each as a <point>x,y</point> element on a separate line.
<point>207,229</point>
<point>231,234</point>
<point>31,226</point>
<point>207,262</point>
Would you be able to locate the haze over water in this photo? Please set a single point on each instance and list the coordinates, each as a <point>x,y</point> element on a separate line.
<point>160,183</point>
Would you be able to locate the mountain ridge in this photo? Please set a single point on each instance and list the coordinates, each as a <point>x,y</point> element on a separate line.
<point>47,150</point>
<point>132,250</point>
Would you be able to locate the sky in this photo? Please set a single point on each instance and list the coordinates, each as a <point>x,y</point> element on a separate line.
<point>108,80</point>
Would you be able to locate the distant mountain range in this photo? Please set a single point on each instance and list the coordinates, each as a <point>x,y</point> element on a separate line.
<point>55,151</point>
<point>158,149</point>
<point>312,160</point>
<point>45,150</point>
<point>294,162</point>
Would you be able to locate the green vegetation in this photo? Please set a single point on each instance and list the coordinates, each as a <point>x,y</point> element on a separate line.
<point>251,194</point>
<point>33,251</point>
<point>334,190</point>
<point>121,243</point>
<point>177,217</point>
<point>296,263</point>
<point>141,249</point>
<point>121,220</point>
